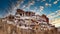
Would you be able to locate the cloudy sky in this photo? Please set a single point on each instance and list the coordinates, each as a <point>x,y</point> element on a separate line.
<point>51,8</point>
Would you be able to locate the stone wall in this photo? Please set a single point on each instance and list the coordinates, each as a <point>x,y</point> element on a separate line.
<point>11,29</point>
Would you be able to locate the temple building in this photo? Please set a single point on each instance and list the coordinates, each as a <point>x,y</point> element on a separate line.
<point>32,15</point>
<point>23,13</point>
<point>27,22</point>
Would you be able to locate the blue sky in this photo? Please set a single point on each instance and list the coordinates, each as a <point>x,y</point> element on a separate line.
<point>46,7</point>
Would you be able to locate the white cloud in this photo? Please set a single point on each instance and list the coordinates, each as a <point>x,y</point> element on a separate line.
<point>23,6</point>
<point>59,6</point>
<point>22,2</point>
<point>38,0</point>
<point>46,4</point>
<point>56,22</point>
<point>29,4</point>
<point>34,10</point>
<point>32,2</point>
<point>14,7</point>
<point>55,14</point>
<point>50,4</point>
<point>41,8</point>
<point>43,0</point>
<point>55,2</point>
<point>49,0</point>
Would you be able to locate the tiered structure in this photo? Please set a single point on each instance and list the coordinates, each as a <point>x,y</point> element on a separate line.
<point>28,23</point>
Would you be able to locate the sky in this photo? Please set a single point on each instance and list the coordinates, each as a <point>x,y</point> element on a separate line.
<point>51,8</point>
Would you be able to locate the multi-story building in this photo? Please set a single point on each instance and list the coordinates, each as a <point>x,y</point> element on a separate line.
<point>28,22</point>
<point>32,14</point>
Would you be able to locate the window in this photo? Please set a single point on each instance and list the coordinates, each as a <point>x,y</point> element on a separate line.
<point>36,28</point>
<point>19,24</point>
<point>20,14</point>
<point>25,25</point>
<point>0,27</point>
